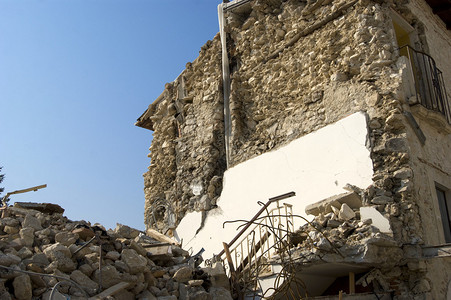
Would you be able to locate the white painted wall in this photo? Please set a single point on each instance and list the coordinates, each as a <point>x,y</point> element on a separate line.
<point>315,167</point>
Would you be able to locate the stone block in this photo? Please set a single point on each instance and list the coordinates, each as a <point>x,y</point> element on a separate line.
<point>88,285</point>
<point>135,262</point>
<point>346,213</point>
<point>32,222</point>
<point>183,274</point>
<point>22,287</point>
<point>378,220</point>
<point>84,233</point>
<point>325,206</point>
<point>27,236</point>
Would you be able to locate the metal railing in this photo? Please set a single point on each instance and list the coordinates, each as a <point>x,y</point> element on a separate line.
<point>429,84</point>
<point>249,253</point>
<point>258,243</point>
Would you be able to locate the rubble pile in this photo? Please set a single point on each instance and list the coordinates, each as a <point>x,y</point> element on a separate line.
<point>44,255</point>
<point>342,227</point>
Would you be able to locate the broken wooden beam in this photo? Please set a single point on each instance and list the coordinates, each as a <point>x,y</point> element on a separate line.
<point>160,237</point>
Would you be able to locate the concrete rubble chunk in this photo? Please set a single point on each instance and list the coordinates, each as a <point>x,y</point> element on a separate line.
<point>378,220</point>
<point>346,213</point>
<point>352,199</point>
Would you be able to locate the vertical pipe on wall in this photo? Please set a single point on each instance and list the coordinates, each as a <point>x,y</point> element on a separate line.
<point>225,82</point>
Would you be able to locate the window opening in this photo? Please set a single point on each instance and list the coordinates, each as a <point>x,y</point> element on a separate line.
<point>444,206</point>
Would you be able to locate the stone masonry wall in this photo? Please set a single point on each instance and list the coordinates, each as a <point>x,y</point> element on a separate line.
<point>187,150</point>
<point>296,66</point>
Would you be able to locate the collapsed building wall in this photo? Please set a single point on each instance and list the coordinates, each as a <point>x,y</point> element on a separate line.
<point>296,67</point>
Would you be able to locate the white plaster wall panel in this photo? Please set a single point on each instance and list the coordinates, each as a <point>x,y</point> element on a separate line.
<point>315,167</point>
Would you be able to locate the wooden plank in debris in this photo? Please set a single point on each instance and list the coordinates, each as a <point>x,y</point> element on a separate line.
<point>48,208</point>
<point>155,245</point>
<point>160,237</point>
<point>351,283</point>
<point>229,258</point>
<point>111,291</point>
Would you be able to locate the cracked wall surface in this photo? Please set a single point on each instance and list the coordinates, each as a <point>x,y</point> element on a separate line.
<point>296,67</point>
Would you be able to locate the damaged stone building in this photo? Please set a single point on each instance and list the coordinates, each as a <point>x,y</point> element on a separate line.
<point>340,106</point>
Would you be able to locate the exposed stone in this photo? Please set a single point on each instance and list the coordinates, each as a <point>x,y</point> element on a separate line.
<point>65,238</point>
<point>135,262</point>
<point>32,222</point>
<point>378,220</point>
<point>346,213</point>
<point>88,285</point>
<point>27,236</point>
<point>196,282</point>
<point>126,231</point>
<point>22,287</point>
<point>325,206</point>
<point>220,293</point>
<point>183,274</point>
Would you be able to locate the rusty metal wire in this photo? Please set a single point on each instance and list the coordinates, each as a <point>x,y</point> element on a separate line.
<point>251,270</point>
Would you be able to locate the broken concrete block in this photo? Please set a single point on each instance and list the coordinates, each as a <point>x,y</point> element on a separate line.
<point>346,213</point>
<point>325,206</point>
<point>378,220</point>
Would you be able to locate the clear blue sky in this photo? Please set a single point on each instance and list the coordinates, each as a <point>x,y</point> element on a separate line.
<point>74,77</point>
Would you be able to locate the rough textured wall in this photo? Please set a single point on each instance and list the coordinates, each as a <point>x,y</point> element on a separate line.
<point>295,67</point>
<point>340,64</point>
<point>187,150</point>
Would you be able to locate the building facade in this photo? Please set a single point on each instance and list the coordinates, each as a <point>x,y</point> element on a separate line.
<point>324,99</point>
